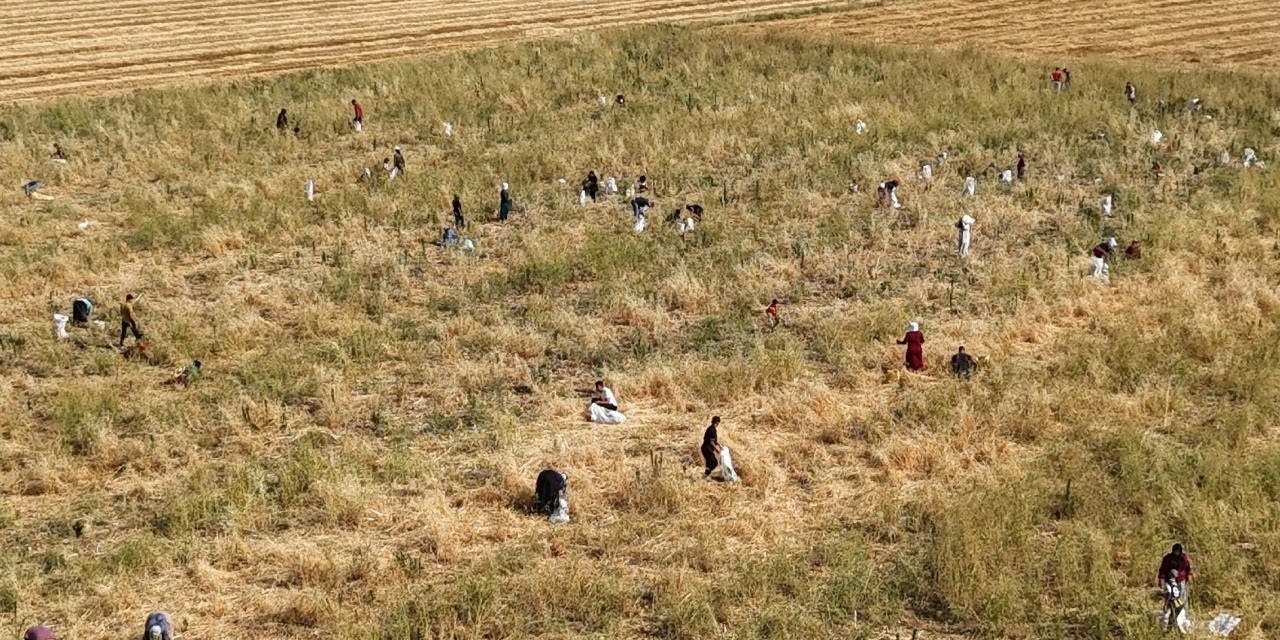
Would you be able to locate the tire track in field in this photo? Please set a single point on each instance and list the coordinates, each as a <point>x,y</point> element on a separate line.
<point>93,47</point>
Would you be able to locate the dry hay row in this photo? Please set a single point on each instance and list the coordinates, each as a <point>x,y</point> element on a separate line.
<point>267,15</point>
<point>212,45</point>
<point>1171,30</point>
<point>286,55</point>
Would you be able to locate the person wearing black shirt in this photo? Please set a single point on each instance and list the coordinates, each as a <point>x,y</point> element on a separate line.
<point>711,446</point>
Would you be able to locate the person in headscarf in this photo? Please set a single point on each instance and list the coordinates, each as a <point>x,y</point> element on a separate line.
<point>39,632</point>
<point>1130,92</point>
<point>642,184</point>
<point>591,186</point>
<point>458,221</point>
<point>158,627</point>
<point>282,120</point>
<point>711,446</point>
<point>915,347</point>
<point>505,205</point>
<point>398,160</point>
<point>1098,257</point>
<point>1133,251</point>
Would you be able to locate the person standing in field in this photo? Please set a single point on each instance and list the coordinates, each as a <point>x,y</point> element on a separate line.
<point>964,231</point>
<point>398,160</point>
<point>711,446</point>
<point>1055,80</point>
<point>591,186</point>
<point>1130,92</point>
<point>505,205</point>
<point>128,320</point>
<point>962,364</point>
<point>1022,166</point>
<point>1175,565</point>
<point>357,122</point>
<point>915,346</point>
<point>1066,79</point>
<point>282,120</point>
<point>458,221</point>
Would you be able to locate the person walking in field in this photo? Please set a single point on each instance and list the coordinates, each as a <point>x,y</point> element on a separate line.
<point>282,120</point>
<point>1130,92</point>
<point>915,346</point>
<point>458,221</point>
<point>128,320</point>
<point>357,122</point>
<point>1055,80</point>
<point>1022,166</point>
<point>771,314</point>
<point>1066,79</point>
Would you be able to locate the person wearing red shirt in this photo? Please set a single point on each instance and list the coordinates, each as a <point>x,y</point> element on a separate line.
<point>771,312</point>
<point>358,121</point>
<point>1175,565</point>
<point>1056,79</point>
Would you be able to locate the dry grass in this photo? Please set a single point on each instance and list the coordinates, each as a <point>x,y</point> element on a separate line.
<point>1232,33</point>
<point>87,47</point>
<point>356,459</point>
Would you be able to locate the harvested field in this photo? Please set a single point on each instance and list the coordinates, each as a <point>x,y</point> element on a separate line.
<point>87,46</point>
<point>1237,33</point>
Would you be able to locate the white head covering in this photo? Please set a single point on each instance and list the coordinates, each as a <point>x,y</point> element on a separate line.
<point>913,326</point>
<point>155,632</point>
<point>397,148</point>
<point>1111,242</point>
<point>506,187</point>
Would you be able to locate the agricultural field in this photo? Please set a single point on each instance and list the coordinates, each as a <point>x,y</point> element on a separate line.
<point>80,47</point>
<point>1243,34</point>
<point>358,457</point>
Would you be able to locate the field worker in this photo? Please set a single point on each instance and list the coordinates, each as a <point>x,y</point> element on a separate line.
<point>711,446</point>
<point>81,311</point>
<point>504,202</point>
<point>1066,78</point>
<point>1133,251</point>
<point>1055,80</point>
<point>611,186</point>
<point>964,228</point>
<point>771,313</point>
<point>639,206</point>
<point>448,237</point>
<point>39,632</point>
<point>620,100</point>
<point>458,221</point>
<point>591,186</point>
<point>551,495</point>
<point>282,120</point>
<point>1157,171</point>
<point>1107,204</point>
<point>1130,92</point>
<point>1022,166</point>
<point>1099,256</point>
<point>397,158</point>
<point>188,376</point>
<point>926,172</point>
<point>915,347</point>
<point>58,154</point>
<point>389,169</point>
<point>970,186</point>
<point>642,184</point>
<point>602,396</point>
<point>31,188</point>
<point>963,364</point>
<point>158,627</point>
<point>358,121</point>
<point>1249,158</point>
<point>128,320</point>
<point>1176,566</point>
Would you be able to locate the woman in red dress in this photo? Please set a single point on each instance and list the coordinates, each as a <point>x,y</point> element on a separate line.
<point>915,347</point>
